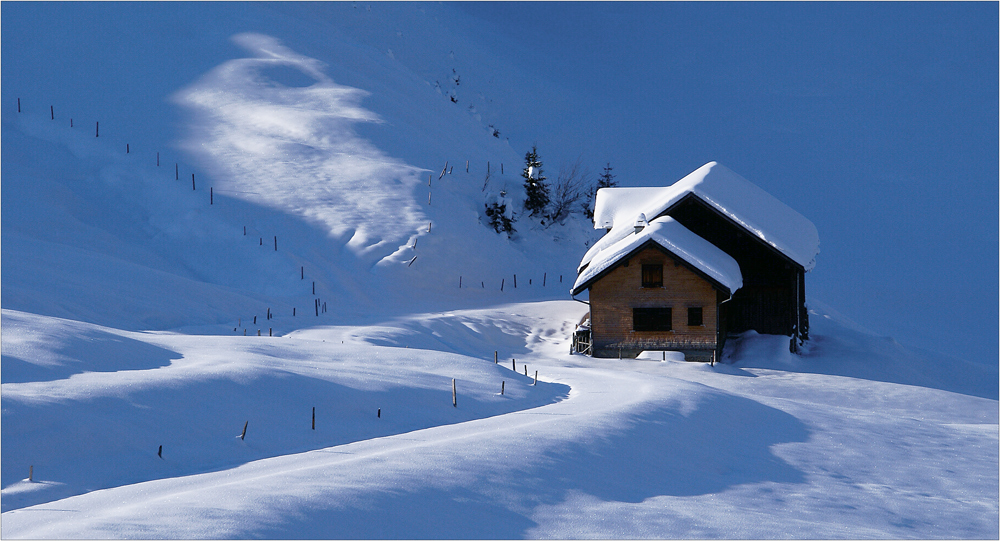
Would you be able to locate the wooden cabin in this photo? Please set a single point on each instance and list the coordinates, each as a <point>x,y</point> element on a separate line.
<point>727,250</point>
<point>660,288</point>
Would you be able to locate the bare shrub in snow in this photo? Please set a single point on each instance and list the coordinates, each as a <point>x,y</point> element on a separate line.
<point>570,185</point>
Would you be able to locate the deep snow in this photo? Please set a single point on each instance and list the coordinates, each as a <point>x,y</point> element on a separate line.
<point>853,439</point>
<point>138,313</point>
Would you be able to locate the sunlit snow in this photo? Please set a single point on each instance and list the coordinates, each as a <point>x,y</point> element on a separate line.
<point>323,338</point>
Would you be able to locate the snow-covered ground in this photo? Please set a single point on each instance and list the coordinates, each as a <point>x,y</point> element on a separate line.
<point>851,440</point>
<point>177,306</point>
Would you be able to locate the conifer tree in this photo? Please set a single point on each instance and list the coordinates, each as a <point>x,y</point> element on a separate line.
<point>606,180</point>
<point>535,187</point>
<point>501,219</point>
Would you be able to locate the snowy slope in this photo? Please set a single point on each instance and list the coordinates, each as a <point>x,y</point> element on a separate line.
<point>317,136</point>
<point>765,445</point>
<point>277,142</point>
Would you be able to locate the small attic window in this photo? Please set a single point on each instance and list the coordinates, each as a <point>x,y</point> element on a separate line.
<point>652,275</point>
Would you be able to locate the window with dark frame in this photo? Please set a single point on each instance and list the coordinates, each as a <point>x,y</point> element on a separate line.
<point>652,275</point>
<point>694,316</point>
<point>651,319</point>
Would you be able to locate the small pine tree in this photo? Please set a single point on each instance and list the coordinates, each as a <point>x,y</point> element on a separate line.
<point>535,187</point>
<point>501,220</point>
<point>606,180</point>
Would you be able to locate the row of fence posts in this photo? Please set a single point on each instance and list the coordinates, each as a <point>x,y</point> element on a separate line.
<point>378,411</point>
<point>320,306</point>
<point>513,367</point>
<point>503,281</point>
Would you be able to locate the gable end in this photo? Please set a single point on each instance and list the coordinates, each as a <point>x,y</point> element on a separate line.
<point>653,244</point>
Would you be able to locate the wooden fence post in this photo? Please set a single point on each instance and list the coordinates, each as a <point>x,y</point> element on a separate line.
<point>454,394</point>
<point>192,181</point>
<point>97,129</point>
<point>501,387</point>
<point>314,417</point>
<point>536,378</point>
<point>244,434</point>
<point>52,112</point>
<point>31,468</point>
<point>494,357</point>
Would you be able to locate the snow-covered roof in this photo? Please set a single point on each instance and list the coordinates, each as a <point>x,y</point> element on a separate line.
<point>676,239</point>
<point>621,203</point>
<point>734,196</point>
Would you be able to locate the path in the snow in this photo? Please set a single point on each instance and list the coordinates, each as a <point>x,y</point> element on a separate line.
<point>638,449</point>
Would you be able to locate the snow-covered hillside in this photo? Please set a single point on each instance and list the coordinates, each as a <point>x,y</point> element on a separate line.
<point>285,192</point>
<point>857,438</point>
<point>212,243</point>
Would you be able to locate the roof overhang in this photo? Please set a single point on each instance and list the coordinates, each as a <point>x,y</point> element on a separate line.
<point>651,243</point>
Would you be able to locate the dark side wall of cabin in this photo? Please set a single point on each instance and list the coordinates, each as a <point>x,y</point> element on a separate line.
<point>772,299</point>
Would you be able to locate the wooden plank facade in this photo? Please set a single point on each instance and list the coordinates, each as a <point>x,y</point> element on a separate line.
<point>631,311</point>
